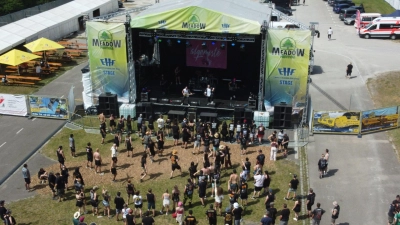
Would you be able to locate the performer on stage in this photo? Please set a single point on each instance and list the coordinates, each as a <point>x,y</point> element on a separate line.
<point>186,93</point>
<point>177,75</point>
<point>209,93</point>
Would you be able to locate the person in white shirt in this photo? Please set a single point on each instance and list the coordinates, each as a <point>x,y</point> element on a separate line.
<point>160,122</point>
<point>327,160</point>
<point>113,151</point>
<point>330,32</point>
<point>125,211</point>
<point>258,184</point>
<point>219,196</point>
<point>209,93</point>
<point>186,94</point>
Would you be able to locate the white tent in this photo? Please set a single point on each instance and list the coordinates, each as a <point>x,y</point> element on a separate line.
<point>52,24</point>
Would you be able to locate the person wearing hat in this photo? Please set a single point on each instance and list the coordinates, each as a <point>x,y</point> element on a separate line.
<point>75,220</point>
<point>292,187</point>
<point>237,212</point>
<point>211,215</point>
<point>179,213</point>
<point>174,162</point>
<point>81,219</point>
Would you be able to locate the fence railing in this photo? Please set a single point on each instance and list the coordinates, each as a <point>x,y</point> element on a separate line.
<point>86,122</point>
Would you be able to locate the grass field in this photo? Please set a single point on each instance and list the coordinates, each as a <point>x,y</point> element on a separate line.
<point>43,210</point>
<point>375,6</point>
<point>385,92</point>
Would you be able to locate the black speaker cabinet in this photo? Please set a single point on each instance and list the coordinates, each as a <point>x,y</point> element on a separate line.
<point>238,114</point>
<point>282,117</point>
<point>144,96</point>
<point>108,104</point>
<point>192,114</point>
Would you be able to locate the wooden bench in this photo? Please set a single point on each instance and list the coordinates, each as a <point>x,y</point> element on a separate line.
<point>11,71</point>
<point>17,82</point>
<point>23,78</point>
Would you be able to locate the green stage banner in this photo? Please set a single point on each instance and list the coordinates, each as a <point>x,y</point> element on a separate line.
<point>288,53</point>
<point>194,18</point>
<point>336,122</point>
<point>379,119</point>
<point>107,58</point>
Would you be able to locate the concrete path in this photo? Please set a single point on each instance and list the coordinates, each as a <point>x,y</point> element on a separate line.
<point>363,171</point>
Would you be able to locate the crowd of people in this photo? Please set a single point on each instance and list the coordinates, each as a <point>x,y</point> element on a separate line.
<point>207,141</point>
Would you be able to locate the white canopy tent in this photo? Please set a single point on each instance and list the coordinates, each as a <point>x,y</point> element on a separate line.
<point>52,24</point>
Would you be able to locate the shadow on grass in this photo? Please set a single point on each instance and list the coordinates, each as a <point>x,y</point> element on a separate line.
<point>155,175</point>
<point>303,217</point>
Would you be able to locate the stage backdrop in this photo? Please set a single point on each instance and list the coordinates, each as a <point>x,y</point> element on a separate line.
<point>107,58</point>
<point>379,119</point>
<point>339,122</point>
<point>212,56</point>
<point>288,54</point>
<point>13,105</point>
<point>50,107</point>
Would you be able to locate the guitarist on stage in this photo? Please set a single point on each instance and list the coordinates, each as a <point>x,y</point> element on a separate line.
<point>186,93</point>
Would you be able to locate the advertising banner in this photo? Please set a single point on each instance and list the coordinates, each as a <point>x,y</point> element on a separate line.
<point>198,19</point>
<point>13,105</point>
<point>338,122</point>
<point>288,56</point>
<point>108,58</point>
<point>379,119</point>
<point>206,54</point>
<point>43,106</point>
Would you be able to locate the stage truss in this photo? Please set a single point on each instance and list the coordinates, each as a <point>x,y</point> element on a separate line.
<point>262,65</point>
<point>131,62</point>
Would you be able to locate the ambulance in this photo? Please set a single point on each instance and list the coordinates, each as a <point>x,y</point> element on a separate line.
<point>383,27</point>
<point>363,19</point>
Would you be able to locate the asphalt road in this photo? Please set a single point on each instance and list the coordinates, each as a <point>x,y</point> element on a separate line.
<point>363,170</point>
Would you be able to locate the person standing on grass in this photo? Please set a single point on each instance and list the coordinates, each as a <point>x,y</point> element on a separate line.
<point>197,143</point>
<point>297,208</point>
<point>285,214</point>
<point>243,193</point>
<point>272,212</point>
<point>65,175</point>
<point>274,149</point>
<point>260,133</point>
<point>112,123</point>
<point>97,162</point>
<point>130,190</point>
<point>94,201</point>
<point>72,145</point>
<point>175,132</point>
<point>52,183</point>
<point>165,202</point>
<point>292,187</point>
<point>103,132</point>
<point>114,151</point>
<point>138,201</point>
<point>3,210</point>
<point>151,202</point>
<point>269,199</point>
<point>174,163</point>
<point>260,158</point>
<point>285,144</point>
<point>237,212</point>
<point>160,142</point>
<point>335,213</point>
<point>160,123</point>
<point>148,220</point>
<point>190,219</point>
<point>243,144</point>
<point>316,214</point>
<point>129,127</point>
<point>179,213</point>
<point>139,124</point>
<point>106,203</point>
<point>113,168</point>
<point>60,156</point>
<point>202,181</point>
<point>211,215</point>
<point>193,170</point>
<point>125,212</point>
<point>60,186</point>
<point>119,205</point>
<point>89,154</point>
<point>188,192</point>
<point>27,177</point>
<point>80,201</point>
<point>146,140</point>
<point>175,196</point>
<point>267,182</point>
<point>116,140</point>
<point>128,143</point>
<point>144,166</point>
<point>330,32</point>
<point>266,220</point>
<point>258,184</point>
<point>130,219</point>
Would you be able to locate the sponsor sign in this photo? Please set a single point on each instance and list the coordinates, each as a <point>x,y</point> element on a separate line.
<point>50,107</point>
<point>342,122</point>
<point>379,119</point>
<point>13,105</point>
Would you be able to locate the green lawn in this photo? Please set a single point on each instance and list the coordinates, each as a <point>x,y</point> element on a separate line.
<point>42,210</point>
<point>384,92</point>
<point>375,6</point>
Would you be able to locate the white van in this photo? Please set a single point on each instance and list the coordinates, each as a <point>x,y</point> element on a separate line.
<point>383,27</point>
<point>282,25</point>
<point>364,19</point>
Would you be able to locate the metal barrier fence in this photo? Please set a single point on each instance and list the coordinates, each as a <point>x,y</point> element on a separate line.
<point>86,122</point>
<point>12,17</point>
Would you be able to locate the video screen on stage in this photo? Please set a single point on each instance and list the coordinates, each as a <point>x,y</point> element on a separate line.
<point>210,54</point>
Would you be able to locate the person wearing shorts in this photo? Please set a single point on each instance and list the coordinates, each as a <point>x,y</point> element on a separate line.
<point>27,177</point>
<point>197,143</point>
<point>89,154</point>
<point>243,144</point>
<point>151,202</point>
<point>137,199</point>
<point>174,163</point>
<point>72,145</point>
<point>114,168</point>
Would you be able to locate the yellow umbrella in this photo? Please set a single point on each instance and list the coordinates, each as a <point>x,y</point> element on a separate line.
<point>16,57</point>
<point>42,44</point>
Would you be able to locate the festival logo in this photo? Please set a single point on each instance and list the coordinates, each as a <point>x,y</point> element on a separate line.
<point>211,55</point>
<point>105,41</point>
<point>194,23</point>
<point>107,62</point>
<point>286,71</point>
<point>287,49</point>
<point>162,24</point>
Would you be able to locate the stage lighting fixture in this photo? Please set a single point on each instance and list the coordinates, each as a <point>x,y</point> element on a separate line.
<point>151,41</point>
<point>188,45</point>
<point>169,42</point>
<point>213,43</point>
<point>242,47</point>
<point>159,40</point>
<point>179,41</point>
<point>204,44</point>
<point>222,46</point>
<point>233,44</point>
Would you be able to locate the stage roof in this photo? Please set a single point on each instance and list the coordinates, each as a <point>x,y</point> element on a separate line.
<point>214,16</point>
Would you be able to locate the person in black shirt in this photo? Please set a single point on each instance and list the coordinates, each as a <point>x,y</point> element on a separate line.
<point>285,213</point>
<point>151,202</point>
<point>272,212</point>
<point>185,136</point>
<point>228,217</point>
<point>174,163</point>
<point>292,187</point>
<point>52,183</point>
<point>243,144</point>
<point>103,132</point>
<point>89,154</point>
<point>175,133</point>
<point>148,220</point>
<point>349,69</point>
<point>119,205</point>
<point>310,200</point>
<point>211,215</point>
<point>3,210</point>
<point>227,156</point>
<point>260,158</point>
<point>269,199</point>
<point>130,219</point>
<point>237,212</point>
<point>60,186</point>
<point>206,142</point>
<point>190,219</point>
<point>224,131</point>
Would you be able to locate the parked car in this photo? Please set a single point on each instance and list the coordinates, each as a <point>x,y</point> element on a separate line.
<point>120,4</point>
<point>285,10</point>
<point>358,7</point>
<point>345,13</point>
<point>350,20</point>
<point>334,2</point>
